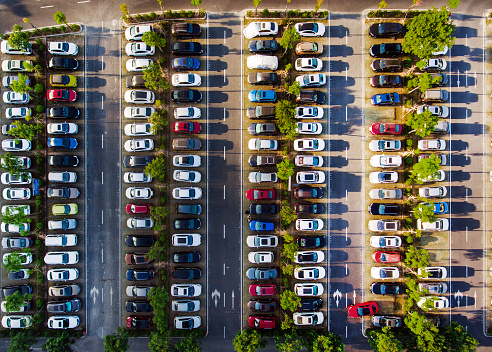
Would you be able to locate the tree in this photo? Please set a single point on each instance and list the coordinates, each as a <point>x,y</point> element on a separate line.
<point>292,341</point>
<point>159,215</point>
<point>384,340</point>
<point>413,292</point>
<point>22,341</point>
<point>153,77</point>
<point>285,169</point>
<point>14,261</point>
<point>189,344</point>
<point>422,124</point>
<point>457,339</point>
<point>416,258</point>
<point>425,212</point>
<point>289,39</point>
<point>285,115</point>
<point>117,341</point>
<point>452,4</point>
<point>289,300</point>
<point>287,215</point>
<point>318,5</point>
<point>124,9</point>
<point>28,66</point>
<point>328,342</point>
<point>15,301</point>
<point>28,21</point>
<point>19,39</point>
<point>249,340</point>
<point>294,88</point>
<point>154,39</point>
<point>423,81</point>
<point>196,3</point>
<point>15,216</point>
<point>159,121</point>
<point>60,18</point>
<point>382,5</point>
<point>426,336</point>
<point>159,341</point>
<point>20,85</point>
<point>12,165</point>
<point>426,168</point>
<point>289,250</point>
<point>60,343</point>
<point>256,3</point>
<point>157,168</point>
<point>22,130</point>
<point>158,299</point>
<point>428,32</point>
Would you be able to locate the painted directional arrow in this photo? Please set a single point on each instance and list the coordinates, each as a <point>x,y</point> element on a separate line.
<point>232,299</point>
<point>337,295</point>
<point>216,297</point>
<point>458,296</point>
<point>94,292</point>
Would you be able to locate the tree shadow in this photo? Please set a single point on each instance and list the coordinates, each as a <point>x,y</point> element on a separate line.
<point>339,241</point>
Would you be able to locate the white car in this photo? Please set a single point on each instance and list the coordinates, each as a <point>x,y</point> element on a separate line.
<point>436,110</point>
<point>16,179</point>
<point>385,161</point>
<point>309,224</point>
<point>138,65</point>
<point>308,161</point>
<point>64,257</point>
<point>62,128</point>
<point>23,308</point>
<point>63,322</point>
<point>186,240</point>
<point>439,176</point>
<point>308,319</point>
<point>306,177</point>
<point>309,273</point>
<point>186,80</point>
<point>187,176</point>
<point>384,225</point>
<point>438,302</point>
<point>309,289</point>
<point>311,80</point>
<point>308,257</point>
<point>385,193</point>
<point>23,161</point>
<point>309,144</point>
<point>15,209</point>
<point>187,161</point>
<point>383,177</point>
<point>17,113</point>
<point>62,274</point>
<point>136,32</point>
<point>382,145</point>
<point>136,177</point>
<point>309,112</point>
<point>433,272</point>
<point>259,29</point>
<point>185,305</point>
<point>139,145</point>
<point>186,290</point>
<point>433,192</point>
<point>11,97</point>
<point>262,144</point>
<point>138,129</point>
<point>15,228</point>
<point>187,323</point>
<point>262,241</point>
<point>138,112</point>
<point>384,272</point>
<point>62,176</point>
<point>187,193</point>
<point>65,224</point>
<point>259,177</point>
<point>139,193</point>
<point>309,128</point>
<point>15,65</point>
<point>260,257</point>
<point>441,224</point>
<point>25,258</point>
<point>432,144</point>
<point>16,145</point>
<point>434,64</point>
<point>7,49</point>
<point>187,113</point>
<point>308,64</point>
<point>433,287</point>
<point>16,321</point>
<point>262,62</point>
<point>16,193</point>
<point>385,241</point>
<point>139,223</point>
<point>138,291</point>
<point>65,240</point>
<point>63,48</point>
<point>139,49</point>
<point>139,96</point>
<point>310,29</point>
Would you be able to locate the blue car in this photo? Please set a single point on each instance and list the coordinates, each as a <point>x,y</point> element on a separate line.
<point>256,225</point>
<point>186,63</point>
<point>439,207</point>
<point>62,143</point>
<point>385,99</point>
<point>262,96</point>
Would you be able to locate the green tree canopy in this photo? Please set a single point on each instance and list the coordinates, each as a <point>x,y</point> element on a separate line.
<point>159,121</point>
<point>289,250</point>
<point>289,300</point>
<point>157,168</point>
<point>117,341</point>
<point>60,18</point>
<point>291,341</point>
<point>59,343</point>
<point>327,342</point>
<point>22,341</point>
<point>249,340</point>
<point>154,39</point>
<point>289,39</point>
<point>425,168</point>
<point>22,130</point>
<point>15,216</point>
<point>196,3</point>
<point>426,336</point>
<point>15,301</point>
<point>384,340</point>
<point>153,77</point>
<point>423,81</point>
<point>124,9</point>
<point>18,39</point>
<point>158,299</point>
<point>20,85</point>
<point>416,258</point>
<point>285,169</point>
<point>12,165</point>
<point>422,124</point>
<point>457,339</point>
<point>159,341</point>
<point>425,212</point>
<point>14,261</point>
<point>189,344</point>
<point>285,115</point>
<point>287,215</point>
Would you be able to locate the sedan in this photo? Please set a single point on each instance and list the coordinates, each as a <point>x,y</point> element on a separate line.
<point>62,128</point>
<point>311,80</point>
<point>262,96</point>
<point>187,160</point>
<point>63,160</point>
<point>136,177</point>
<point>311,241</point>
<point>386,257</point>
<point>435,110</point>
<point>383,177</point>
<point>186,257</point>
<point>186,240</point>
<point>65,209</point>
<point>385,241</point>
<point>308,257</point>
<point>16,145</point>
<point>260,194</point>
<point>138,112</point>
<point>432,144</point>
<point>140,223</point>
<point>263,78</point>
<point>17,113</point>
<point>139,274</point>
<point>257,129</point>
<point>308,161</point>
<point>385,99</point>
<point>260,257</point>
<point>260,29</point>
<point>186,30</point>
<point>16,321</point>
<point>61,95</point>
<point>139,129</point>
<point>257,225</point>
<point>433,302</point>
<point>308,319</point>
<point>384,225</point>
<point>310,304</point>
<point>187,224</point>
<point>386,81</point>
<point>262,241</point>
<point>308,289</point>
<point>187,48</point>
<point>262,289</point>
<point>137,322</point>
<point>63,80</point>
<point>187,127</point>
<point>263,46</point>
<point>61,258</point>
<point>309,273</point>
<point>309,144</point>
<point>386,30</point>
<point>187,113</point>
<point>385,193</point>
<point>185,305</point>
<point>438,208</point>
<point>187,273</point>
<point>310,29</point>
<point>309,112</point>
<point>433,192</point>
<point>186,290</point>
<point>260,209</point>
<point>384,209</point>
<point>309,128</point>
<point>307,177</point>
<point>24,258</point>
<point>380,288</point>
<point>383,273</point>
<point>383,320</point>
<point>136,208</point>
<point>62,176</point>
<point>259,177</point>
<point>186,96</point>
<point>139,49</point>
<point>139,145</point>
<point>138,65</point>
<point>261,273</point>
<point>134,96</point>
<point>263,306</point>
<point>64,290</point>
<point>16,242</point>
<point>433,287</point>
<point>63,112</point>
<point>310,97</point>
<point>432,64</point>
<point>309,48</point>
<point>186,63</point>
<point>262,144</point>
<point>16,193</point>
<point>63,48</point>
<point>316,208</point>
<point>262,322</point>
<point>138,307</point>
<point>263,160</point>
<point>63,63</point>
<point>308,64</point>
<point>187,323</point>
<point>187,193</point>
<point>62,274</point>
<point>382,145</point>
<point>386,50</point>
<point>186,80</point>
<point>386,161</point>
<point>309,224</point>
<point>16,98</point>
<point>15,65</point>
<point>433,272</point>
<point>361,309</point>
<point>136,32</point>
<point>62,143</point>
<point>308,192</point>
<point>139,241</point>
<point>18,49</point>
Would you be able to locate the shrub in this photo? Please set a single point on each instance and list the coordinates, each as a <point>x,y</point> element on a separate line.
<point>152,15</point>
<point>139,17</point>
<point>182,14</point>
<point>265,13</point>
<point>249,13</point>
<point>276,14</point>
<point>55,30</point>
<point>40,108</point>
<point>409,238</point>
<point>39,226</point>
<point>39,202</point>
<point>158,103</point>
<point>169,14</point>
<point>63,28</point>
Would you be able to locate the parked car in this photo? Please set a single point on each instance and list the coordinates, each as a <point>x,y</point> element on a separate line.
<point>308,160</point>
<point>263,46</point>
<point>309,144</point>
<point>187,127</point>
<point>16,145</point>
<point>384,288</point>
<point>187,323</point>
<point>262,241</point>
<point>308,319</point>
<point>260,177</point>
<point>65,240</point>
<point>62,128</point>
<point>16,193</point>
<point>185,305</point>
<point>260,194</point>
<point>386,30</point>
<point>385,193</point>
<point>307,257</point>
<point>139,49</point>
<point>17,113</point>
<point>186,257</point>
<point>386,257</point>
<point>64,306</point>
<point>21,49</point>
<point>308,289</point>
<point>63,80</point>
<point>187,193</point>
<point>261,112</point>
<point>310,177</point>
<point>139,96</point>
<point>68,274</point>
<point>436,110</point>
<point>68,95</point>
<point>137,161</point>
<point>309,224</point>
<point>384,225</point>
<point>262,144</point>
<point>310,29</point>
<point>433,64</point>
<point>62,143</point>
<point>262,322</point>
<point>138,322</point>
<point>63,160</point>
<point>262,289</point>
<point>140,223</point>
<point>308,192</point>
<point>382,145</point>
<point>311,80</point>
<point>309,273</point>
<point>308,64</point>
<point>186,80</point>
<point>263,78</point>
<point>61,258</point>
<point>189,112</point>
<point>260,29</point>
<point>310,97</point>
<point>186,290</point>
<point>63,63</point>
<point>309,48</point>
<point>385,241</point>
<point>384,320</point>
<point>138,65</point>
<point>433,272</point>
<point>261,273</point>
<point>385,272</point>
<point>63,48</point>
<point>139,274</point>
<point>260,257</point>
<point>432,144</point>
<point>136,32</point>
<point>316,208</point>
<point>311,241</point>
<point>309,112</point>
<point>62,176</point>
<point>15,65</point>
<point>433,287</point>
<point>310,304</point>
<point>263,160</point>
<point>185,30</point>
<point>387,65</point>
<point>262,96</point>
<point>64,290</point>
<point>386,161</point>
<point>383,177</point>
<point>264,306</point>
<point>16,321</point>
<point>63,112</point>
<point>12,97</point>
<point>262,129</point>
<point>186,240</point>
<point>262,62</point>
<point>433,192</point>
<point>139,241</point>
<point>385,99</point>
<point>427,303</point>
<point>187,48</point>
<point>384,209</point>
<point>386,50</point>
<point>186,63</point>
<point>309,128</point>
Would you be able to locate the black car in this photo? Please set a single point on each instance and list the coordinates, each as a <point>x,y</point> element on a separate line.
<point>187,224</point>
<point>316,208</point>
<point>186,63</point>
<point>262,305</point>
<point>63,160</point>
<point>63,63</point>
<point>63,112</point>
<point>263,46</point>
<point>135,81</point>
<point>186,96</point>
<point>310,304</point>
<point>139,274</point>
<point>190,48</point>
<point>384,209</point>
<point>62,143</point>
<point>68,306</point>
<point>386,50</point>
<point>193,209</point>
<point>386,81</point>
<point>261,112</point>
<point>259,209</point>
<point>187,273</point>
<point>308,192</point>
<point>310,96</point>
<point>137,161</point>
<point>186,257</point>
<point>386,30</point>
<point>22,289</point>
<point>138,306</point>
<point>379,288</point>
<point>263,129</point>
<point>311,241</point>
<point>263,78</point>
<point>139,241</point>
<point>186,30</point>
<point>387,65</point>
<point>18,275</point>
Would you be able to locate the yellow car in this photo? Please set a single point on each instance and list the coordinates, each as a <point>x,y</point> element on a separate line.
<point>63,81</point>
<point>65,209</point>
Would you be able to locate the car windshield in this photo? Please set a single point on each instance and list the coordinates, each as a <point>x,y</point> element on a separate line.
<point>363,311</point>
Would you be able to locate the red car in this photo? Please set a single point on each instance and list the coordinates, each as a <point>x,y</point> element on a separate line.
<point>187,127</point>
<point>259,322</point>
<point>138,322</point>
<point>133,208</point>
<point>262,290</point>
<point>386,128</point>
<point>61,95</point>
<point>386,257</point>
<point>360,309</point>
<point>137,258</point>
<point>258,194</point>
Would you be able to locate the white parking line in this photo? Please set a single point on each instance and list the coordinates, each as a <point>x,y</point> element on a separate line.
<point>224,275</point>
<point>466,79</point>
<point>102,141</point>
<point>346,112</point>
<point>466,233</point>
<point>346,153</point>
<point>224,230</point>
<point>346,194</point>
<point>47,7</point>
<point>224,75</point>
<point>81,2</point>
<point>102,102</point>
<point>224,113</point>
<point>102,294</point>
<point>346,74</point>
<point>102,216</point>
<point>224,37</point>
<point>102,177</point>
<point>346,234</point>
<point>102,255</point>
<point>224,332</point>
<point>224,152</point>
<point>224,192</point>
